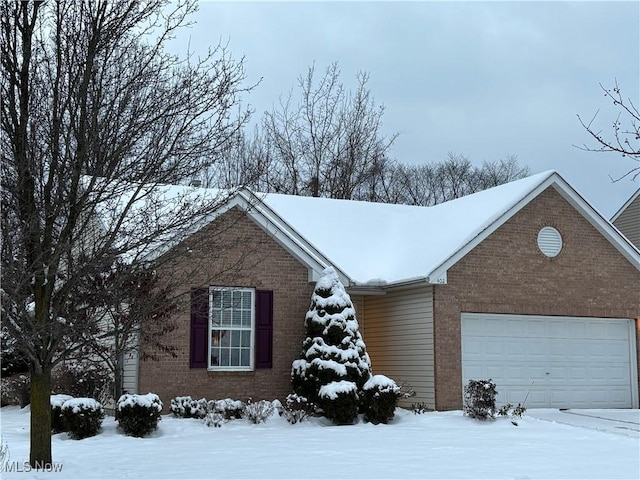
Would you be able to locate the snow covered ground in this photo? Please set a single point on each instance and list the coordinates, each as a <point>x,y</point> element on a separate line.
<point>547,444</point>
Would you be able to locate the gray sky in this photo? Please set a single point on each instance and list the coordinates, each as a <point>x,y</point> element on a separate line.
<point>481,79</point>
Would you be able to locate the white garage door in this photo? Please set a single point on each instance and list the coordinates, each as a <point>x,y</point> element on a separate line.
<point>560,362</point>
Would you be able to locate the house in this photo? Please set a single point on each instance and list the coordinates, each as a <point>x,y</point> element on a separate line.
<point>627,219</point>
<point>524,283</point>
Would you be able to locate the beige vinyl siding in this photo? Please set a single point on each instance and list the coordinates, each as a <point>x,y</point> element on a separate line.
<point>398,333</point>
<point>130,372</point>
<point>628,222</point>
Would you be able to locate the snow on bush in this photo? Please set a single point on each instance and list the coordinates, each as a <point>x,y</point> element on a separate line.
<point>82,417</point>
<point>258,412</point>
<point>333,350</point>
<point>379,399</point>
<point>480,399</point>
<point>138,415</point>
<point>296,408</point>
<point>339,400</point>
<point>57,422</point>
<point>187,407</point>
<point>229,408</point>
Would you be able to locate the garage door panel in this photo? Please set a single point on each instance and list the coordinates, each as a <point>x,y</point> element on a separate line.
<point>557,361</point>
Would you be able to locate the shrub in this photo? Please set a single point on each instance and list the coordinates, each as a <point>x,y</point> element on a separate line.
<point>57,421</point>
<point>138,415</point>
<point>379,399</point>
<point>15,390</point>
<point>230,409</point>
<point>186,407</point>
<point>214,419</point>
<point>339,400</point>
<point>258,412</point>
<point>480,399</point>
<point>82,417</point>
<point>83,379</point>
<point>296,408</point>
<point>508,410</point>
<point>420,408</point>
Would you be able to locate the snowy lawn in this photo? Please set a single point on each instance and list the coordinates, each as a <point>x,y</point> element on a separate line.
<point>431,445</point>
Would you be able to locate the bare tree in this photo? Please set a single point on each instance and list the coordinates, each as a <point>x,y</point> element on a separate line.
<point>625,137</point>
<point>329,143</point>
<point>97,118</point>
<point>433,183</point>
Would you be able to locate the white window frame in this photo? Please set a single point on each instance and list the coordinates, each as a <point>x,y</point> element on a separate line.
<point>212,328</point>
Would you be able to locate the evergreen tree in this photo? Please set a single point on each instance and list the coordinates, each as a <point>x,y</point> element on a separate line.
<point>333,349</point>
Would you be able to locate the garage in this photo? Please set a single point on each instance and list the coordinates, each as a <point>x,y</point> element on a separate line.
<point>558,362</point>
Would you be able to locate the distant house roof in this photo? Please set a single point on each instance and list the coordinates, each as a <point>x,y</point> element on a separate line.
<point>621,210</point>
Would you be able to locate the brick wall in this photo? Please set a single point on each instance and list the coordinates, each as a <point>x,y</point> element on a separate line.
<point>507,273</point>
<point>233,251</point>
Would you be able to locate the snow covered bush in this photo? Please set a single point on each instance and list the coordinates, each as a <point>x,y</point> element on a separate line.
<point>83,379</point>
<point>333,350</point>
<point>57,422</point>
<point>339,401</point>
<point>82,417</point>
<point>15,390</point>
<point>214,419</point>
<point>229,408</point>
<point>480,399</point>
<point>138,415</point>
<point>187,407</point>
<point>379,399</point>
<point>296,408</point>
<point>258,412</point>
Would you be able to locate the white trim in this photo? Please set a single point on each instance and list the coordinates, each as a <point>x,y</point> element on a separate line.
<point>252,331</point>
<point>624,207</point>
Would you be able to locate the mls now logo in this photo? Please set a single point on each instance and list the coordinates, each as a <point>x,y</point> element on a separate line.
<point>25,467</point>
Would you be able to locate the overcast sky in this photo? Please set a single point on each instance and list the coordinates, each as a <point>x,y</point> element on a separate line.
<point>481,79</point>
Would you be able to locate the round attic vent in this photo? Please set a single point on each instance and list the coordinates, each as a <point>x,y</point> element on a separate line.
<point>549,241</point>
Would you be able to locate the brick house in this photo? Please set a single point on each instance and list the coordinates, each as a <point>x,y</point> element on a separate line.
<point>524,283</point>
<point>627,219</point>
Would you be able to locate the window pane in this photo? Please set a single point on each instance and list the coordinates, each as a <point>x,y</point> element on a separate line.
<point>235,357</point>
<point>237,315</point>
<point>246,300</point>
<point>246,318</point>
<point>225,317</point>
<point>214,356</point>
<point>246,338</point>
<point>244,357</point>
<point>235,338</point>
<point>224,338</point>
<point>224,357</point>
<point>226,299</point>
<point>216,300</point>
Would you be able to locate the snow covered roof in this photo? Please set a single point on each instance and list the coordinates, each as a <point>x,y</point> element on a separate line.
<point>374,243</point>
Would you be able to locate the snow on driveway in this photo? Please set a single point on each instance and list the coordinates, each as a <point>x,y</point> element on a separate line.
<point>438,445</point>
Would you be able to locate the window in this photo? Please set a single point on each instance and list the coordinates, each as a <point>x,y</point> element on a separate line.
<point>231,324</point>
<point>231,329</point>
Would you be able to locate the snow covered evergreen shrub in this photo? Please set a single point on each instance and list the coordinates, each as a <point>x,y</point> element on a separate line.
<point>480,399</point>
<point>420,408</point>
<point>138,415</point>
<point>57,422</point>
<point>379,399</point>
<point>258,412</point>
<point>296,408</point>
<point>187,407</point>
<point>82,417</point>
<point>339,401</point>
<point>333,349</point>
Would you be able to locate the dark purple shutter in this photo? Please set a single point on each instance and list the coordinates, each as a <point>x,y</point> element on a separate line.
<point>199,327</point>
<point>264,328</point>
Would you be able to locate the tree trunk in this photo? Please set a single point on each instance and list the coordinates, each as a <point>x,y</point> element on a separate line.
<point>40,454</point>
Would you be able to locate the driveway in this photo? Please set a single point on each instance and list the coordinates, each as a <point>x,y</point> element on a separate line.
<point>619,421</point>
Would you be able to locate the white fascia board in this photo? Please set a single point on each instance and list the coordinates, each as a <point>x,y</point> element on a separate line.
<point>624,246</point>
<point>298,246</point>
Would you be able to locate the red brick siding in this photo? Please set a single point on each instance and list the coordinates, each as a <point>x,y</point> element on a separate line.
<point>266,266</point>
<point>506,273</point>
